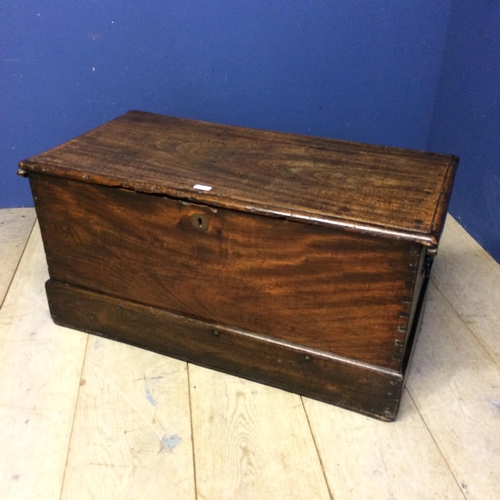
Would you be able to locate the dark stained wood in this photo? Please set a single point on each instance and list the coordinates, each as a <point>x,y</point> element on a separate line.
<point>384,191</point>
<point>295,261</point>
<point>344,293</point>
<point>357,386</point>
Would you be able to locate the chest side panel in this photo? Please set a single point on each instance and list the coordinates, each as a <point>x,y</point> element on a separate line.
<point>341,292</point>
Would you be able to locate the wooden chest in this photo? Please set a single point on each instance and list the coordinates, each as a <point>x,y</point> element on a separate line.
<point>294,261</point>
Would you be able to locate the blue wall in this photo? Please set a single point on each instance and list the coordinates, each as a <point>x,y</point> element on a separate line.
<point>357,69</point>
<point>366,70</point>
<point>467,117</point>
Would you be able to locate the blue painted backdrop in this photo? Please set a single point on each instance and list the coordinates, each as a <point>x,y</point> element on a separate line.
<point>362,70</point>
<point>467,117</point>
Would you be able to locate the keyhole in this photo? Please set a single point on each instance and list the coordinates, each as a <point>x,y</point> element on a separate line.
<point>199,221</point>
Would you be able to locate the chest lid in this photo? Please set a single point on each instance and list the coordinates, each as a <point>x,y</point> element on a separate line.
<point>387,191</point>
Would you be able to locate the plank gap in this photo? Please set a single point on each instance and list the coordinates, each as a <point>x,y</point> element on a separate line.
<point>435,442</point>
<point>469,329</point>
<point>316,448</point>
<point>192,433</point>
<point>11,279</point>
<point>73,418</point>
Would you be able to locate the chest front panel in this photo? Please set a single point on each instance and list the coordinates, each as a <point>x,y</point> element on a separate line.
<point>328,289</point>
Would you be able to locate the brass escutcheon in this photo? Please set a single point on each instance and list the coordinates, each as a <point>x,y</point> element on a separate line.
<point>199,221</point>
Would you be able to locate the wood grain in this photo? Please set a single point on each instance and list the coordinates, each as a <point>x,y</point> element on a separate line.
<point>363,458</point>
<point>455,384</point>
<point>251,441</point>
<point>40,367</point>
<point>470,280</point>
<point>308,247</point>
<point>386,191</point>
<point>15,227</point>
<point>361,387</point>
<point>344,293</point>
<point>132,430</point>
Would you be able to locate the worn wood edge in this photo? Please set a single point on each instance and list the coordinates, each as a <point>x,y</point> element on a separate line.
<point>318,141</point>
<point>418,314</point>
<point>441,211</point>
<point>203,198</point>
<point>361,387</point>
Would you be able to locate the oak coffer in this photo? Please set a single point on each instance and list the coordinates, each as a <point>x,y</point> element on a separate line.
<point>295,261</point>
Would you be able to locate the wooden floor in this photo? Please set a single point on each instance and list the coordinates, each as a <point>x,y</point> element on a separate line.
<point>86,418</point>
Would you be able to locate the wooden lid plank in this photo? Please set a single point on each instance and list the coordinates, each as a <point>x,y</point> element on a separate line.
<point>383,190</point>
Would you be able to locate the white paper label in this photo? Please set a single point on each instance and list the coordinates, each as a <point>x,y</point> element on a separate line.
<point>202,187</point>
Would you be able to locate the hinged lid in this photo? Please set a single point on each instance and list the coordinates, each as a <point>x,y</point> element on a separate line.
<point>383,190</point>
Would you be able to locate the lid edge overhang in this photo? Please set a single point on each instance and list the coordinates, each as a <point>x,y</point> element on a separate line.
<point>429,239</point>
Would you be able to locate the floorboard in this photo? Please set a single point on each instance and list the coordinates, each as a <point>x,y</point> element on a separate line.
<point>132,432</point>
<point>456,387</point>
<point>40,367</point>
<point>15,227</point>
<point>469,278</point>
<point>364,458</point>
<point>82,417</point>
<point>251,441</point>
